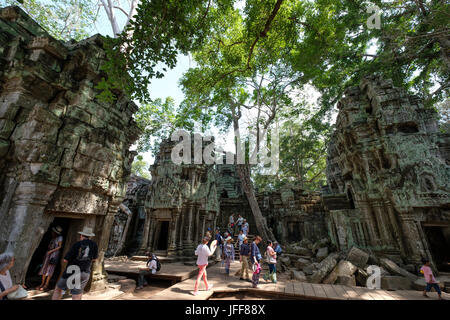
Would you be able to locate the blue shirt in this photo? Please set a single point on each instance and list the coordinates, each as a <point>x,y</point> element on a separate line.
<point>245,250</point>
<point>254,253</point>
<point>278,249</point>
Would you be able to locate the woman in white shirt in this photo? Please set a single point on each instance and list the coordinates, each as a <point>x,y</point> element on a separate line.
<point>6,284</point>
<point>202,252</point>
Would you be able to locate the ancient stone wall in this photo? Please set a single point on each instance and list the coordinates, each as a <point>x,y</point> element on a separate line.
<point>388,173</point>
<point>293,214</point>
<point>128,229</point>
<point>180,206</point>
<point>63,153</point>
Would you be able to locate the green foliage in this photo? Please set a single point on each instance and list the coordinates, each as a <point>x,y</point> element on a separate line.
<point>158,120</point>
<point>140,168</point>
<point>63,19</point>
<point>158,32</point>
<point>303,149</point>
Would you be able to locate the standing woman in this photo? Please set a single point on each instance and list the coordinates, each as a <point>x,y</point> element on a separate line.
<point>228,254</point>
<point>6,284</point>
<point>272,261</point>
<point>202,252</point>
<point>51,258</point>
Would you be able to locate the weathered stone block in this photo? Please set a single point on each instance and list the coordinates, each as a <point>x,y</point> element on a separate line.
<point>324,268</point>
<point>349,281</point>
<point>358,257</point>
<point>343,268</point>
<point>301,263</point>
<point>394,268</point>
<point>322,253</point>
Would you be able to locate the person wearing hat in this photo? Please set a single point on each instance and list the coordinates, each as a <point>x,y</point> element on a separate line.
<point>228,253</point>
<point>79,258</point>
<point>244,255</point>
<point>51,258</point>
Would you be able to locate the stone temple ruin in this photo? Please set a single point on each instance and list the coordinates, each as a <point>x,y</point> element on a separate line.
<point>65,160</point>
<point>64,155</point>
<point>389,176</point>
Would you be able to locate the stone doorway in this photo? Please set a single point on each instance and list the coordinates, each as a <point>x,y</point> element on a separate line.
<point>32,278</point>
<point>294,233</point>
<point>439,244</point>
<point>163,237</point>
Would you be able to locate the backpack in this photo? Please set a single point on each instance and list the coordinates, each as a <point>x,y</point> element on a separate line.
<point>158,264</point>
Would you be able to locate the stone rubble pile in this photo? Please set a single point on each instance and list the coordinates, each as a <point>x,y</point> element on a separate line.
<point>321,263</point>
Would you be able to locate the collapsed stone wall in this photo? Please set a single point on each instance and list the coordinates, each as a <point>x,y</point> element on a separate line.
<point>294,214</point>
<point>388,173</point>
<point>63,153</point>
<point>128,227</point>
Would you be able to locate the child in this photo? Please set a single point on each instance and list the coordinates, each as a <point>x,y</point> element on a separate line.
<point>429,279</point>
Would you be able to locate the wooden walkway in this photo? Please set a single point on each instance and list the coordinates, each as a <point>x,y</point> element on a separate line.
<point>174,272</point>
<point>283,289</point>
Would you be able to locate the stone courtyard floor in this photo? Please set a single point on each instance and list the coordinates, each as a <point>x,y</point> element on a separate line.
<point>231,288</point>
<point>283,289</point>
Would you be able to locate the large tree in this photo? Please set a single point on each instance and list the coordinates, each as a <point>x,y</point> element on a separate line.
<point>63,19</point>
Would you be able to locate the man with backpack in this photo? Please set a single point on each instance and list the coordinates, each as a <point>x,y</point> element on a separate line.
<point>153,266</point>
<point>79,260</point>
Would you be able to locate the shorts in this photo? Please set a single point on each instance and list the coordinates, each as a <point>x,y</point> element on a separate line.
<point>84,279</point>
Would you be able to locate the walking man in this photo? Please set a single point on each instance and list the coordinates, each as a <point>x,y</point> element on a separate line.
<point>79,260</point>
<point>244,254</point>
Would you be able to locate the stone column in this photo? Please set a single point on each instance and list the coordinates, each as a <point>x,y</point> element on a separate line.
<point>413,239</point>
<point>102,226</point>
<point>397,232</point>
<point>181,234</point>
<point>188,245</point>
<point>172,249</point>
<point>144,244</point>
<point>203,231</point>
<point>24,223</point>
<point>151,234</point>
<point>198,233</point>
<point>371,223</point>
<point>383,225</point>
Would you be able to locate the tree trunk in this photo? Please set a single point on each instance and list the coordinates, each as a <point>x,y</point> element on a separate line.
<point>243,171</point>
